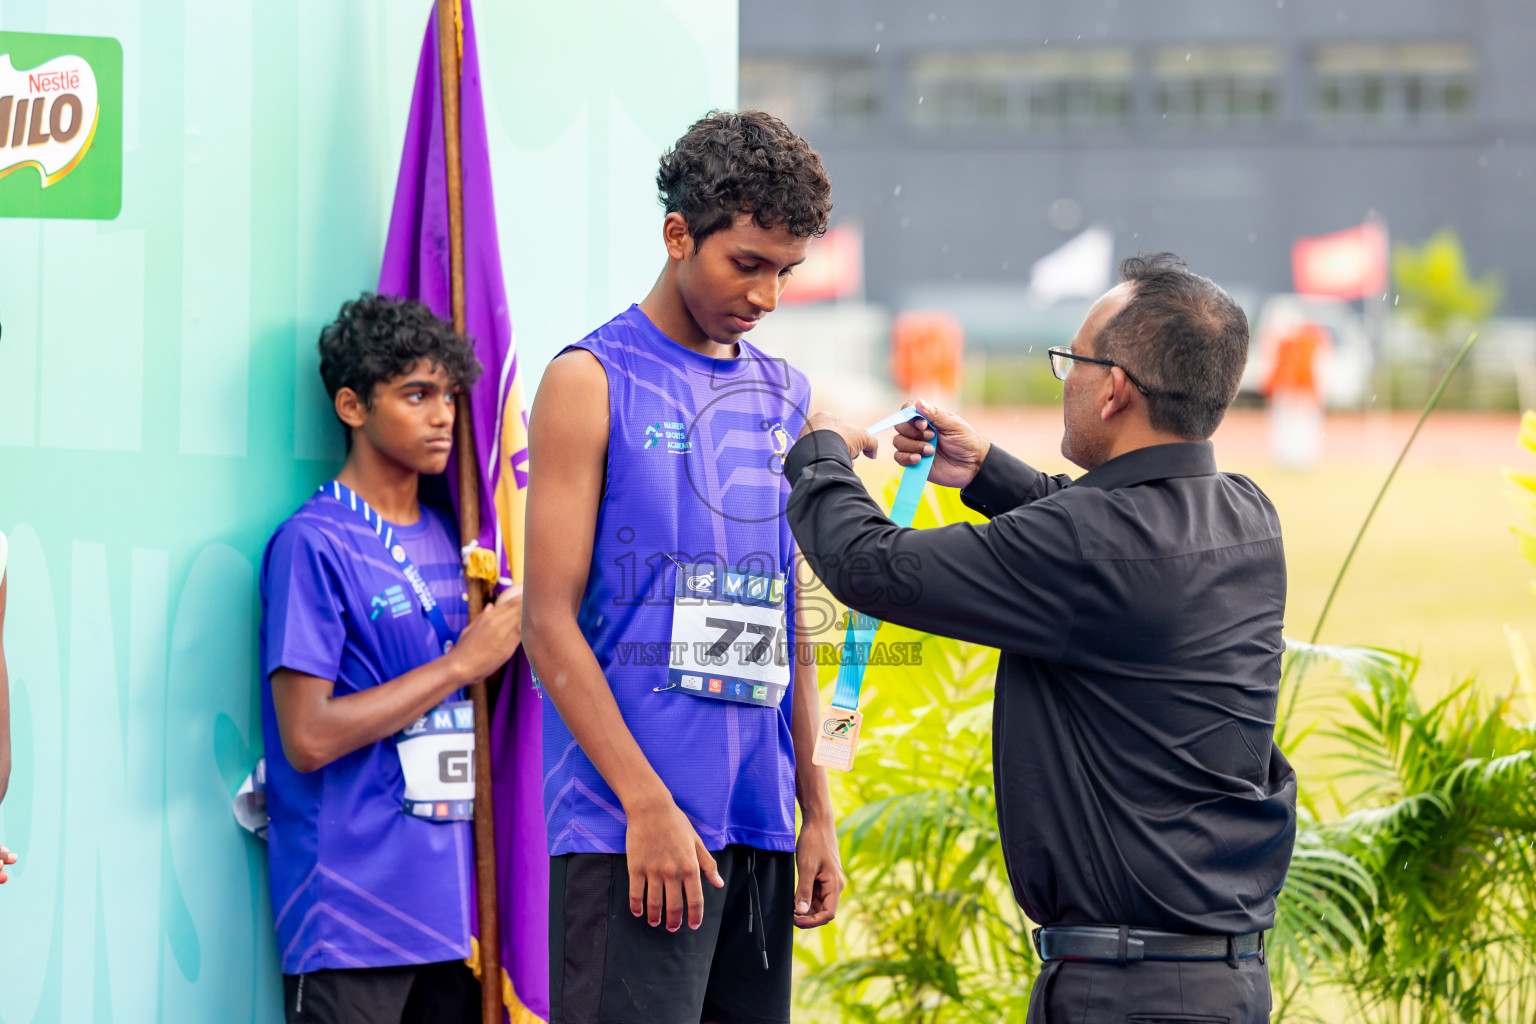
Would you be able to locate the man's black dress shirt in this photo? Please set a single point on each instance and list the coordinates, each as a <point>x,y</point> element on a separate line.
<point>1138,610</point>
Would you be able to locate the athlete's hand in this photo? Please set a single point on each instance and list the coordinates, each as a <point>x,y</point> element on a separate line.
<point>488,642</point>
<point>958,450</point>
<point>820,873</point>
<point>856,438</point>
<point>6,858</point>
<point>666,858</point>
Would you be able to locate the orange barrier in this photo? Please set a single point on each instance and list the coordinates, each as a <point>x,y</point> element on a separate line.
<point>1294,371</point>
<point>925,354</point>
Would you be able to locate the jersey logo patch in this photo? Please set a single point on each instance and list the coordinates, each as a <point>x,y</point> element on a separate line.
<point>671,436</point>
<point>392,600</point>
<point>780,439</point>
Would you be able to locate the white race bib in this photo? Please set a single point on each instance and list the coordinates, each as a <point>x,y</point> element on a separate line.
<point>437,754</point>
<point>729,636</point>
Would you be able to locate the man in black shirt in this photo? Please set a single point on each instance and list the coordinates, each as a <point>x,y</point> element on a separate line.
<point>1147,816</point>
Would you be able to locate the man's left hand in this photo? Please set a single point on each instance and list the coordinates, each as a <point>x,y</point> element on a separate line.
<point>856,438</point>
<point>820,873</point>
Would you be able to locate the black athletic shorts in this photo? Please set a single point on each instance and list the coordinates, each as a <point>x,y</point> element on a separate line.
<point>607,966</point>
<point>440,993</point>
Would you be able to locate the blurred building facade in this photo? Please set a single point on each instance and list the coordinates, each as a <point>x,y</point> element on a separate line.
<point>970,138</point>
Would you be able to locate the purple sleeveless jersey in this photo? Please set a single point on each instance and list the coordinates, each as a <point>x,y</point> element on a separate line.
<point>695,477</point>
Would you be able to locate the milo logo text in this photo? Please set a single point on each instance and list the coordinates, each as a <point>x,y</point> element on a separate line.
<point>48,116</point>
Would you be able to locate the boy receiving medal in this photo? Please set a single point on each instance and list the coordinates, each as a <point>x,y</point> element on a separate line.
<point>656,523</point>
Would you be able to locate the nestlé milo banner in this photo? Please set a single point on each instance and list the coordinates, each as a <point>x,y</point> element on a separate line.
<point>61,126</point>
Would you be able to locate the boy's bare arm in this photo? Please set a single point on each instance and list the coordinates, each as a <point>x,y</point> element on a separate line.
<point>567,463</point>
<point>817,861</point>
<point>316,728</point>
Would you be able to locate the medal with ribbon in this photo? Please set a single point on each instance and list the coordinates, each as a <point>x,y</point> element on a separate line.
<point>838,739</point>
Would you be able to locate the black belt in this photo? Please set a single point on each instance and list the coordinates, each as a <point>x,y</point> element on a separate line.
<point>1121,944</point>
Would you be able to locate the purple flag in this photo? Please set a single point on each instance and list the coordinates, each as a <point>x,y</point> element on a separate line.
<point>416,265</point>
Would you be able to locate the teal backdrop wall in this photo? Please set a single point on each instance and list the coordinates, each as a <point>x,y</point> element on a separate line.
<point>160,412</point>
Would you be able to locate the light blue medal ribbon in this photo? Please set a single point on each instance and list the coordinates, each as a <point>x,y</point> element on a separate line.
<point>386,533</point>
<point>861,628</point>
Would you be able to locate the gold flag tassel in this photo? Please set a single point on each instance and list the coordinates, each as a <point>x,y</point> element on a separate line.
<point>480,563</point>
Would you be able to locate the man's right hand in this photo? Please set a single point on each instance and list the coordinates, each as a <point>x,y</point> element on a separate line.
<point>666,858</point>
<point>487,643</point>
<point>957,448</point>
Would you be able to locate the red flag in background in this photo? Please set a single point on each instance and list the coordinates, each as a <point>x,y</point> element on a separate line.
<point>1349,264</point>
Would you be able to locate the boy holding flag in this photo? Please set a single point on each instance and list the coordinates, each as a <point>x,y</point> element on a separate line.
<point>364,654</point>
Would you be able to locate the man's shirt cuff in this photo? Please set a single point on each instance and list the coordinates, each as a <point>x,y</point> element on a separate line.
<point>816,446</point>
<point>1002,484</point>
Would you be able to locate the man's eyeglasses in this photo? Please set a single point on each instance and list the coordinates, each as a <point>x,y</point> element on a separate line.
<point>1061,365</point>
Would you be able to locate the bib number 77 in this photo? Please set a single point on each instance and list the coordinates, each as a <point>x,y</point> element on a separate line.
<point>729,636</point>
<point>730,629</point>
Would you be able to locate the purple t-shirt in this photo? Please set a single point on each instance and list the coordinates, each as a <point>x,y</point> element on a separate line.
<point>695,475</point>
<point>356,882</point>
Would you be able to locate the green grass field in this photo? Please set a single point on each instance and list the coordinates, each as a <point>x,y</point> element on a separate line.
<point>1438,573</point>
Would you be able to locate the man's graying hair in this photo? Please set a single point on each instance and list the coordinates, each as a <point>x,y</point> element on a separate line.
<point>1184,338</point>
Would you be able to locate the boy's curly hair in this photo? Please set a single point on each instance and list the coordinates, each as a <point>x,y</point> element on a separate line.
<point>376,338</point>
<point>747,162</point>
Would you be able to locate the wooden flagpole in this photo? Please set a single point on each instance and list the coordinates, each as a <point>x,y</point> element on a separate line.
<point>448,46</point>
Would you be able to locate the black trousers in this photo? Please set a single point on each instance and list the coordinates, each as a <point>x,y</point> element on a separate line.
<point>1151,992</point>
